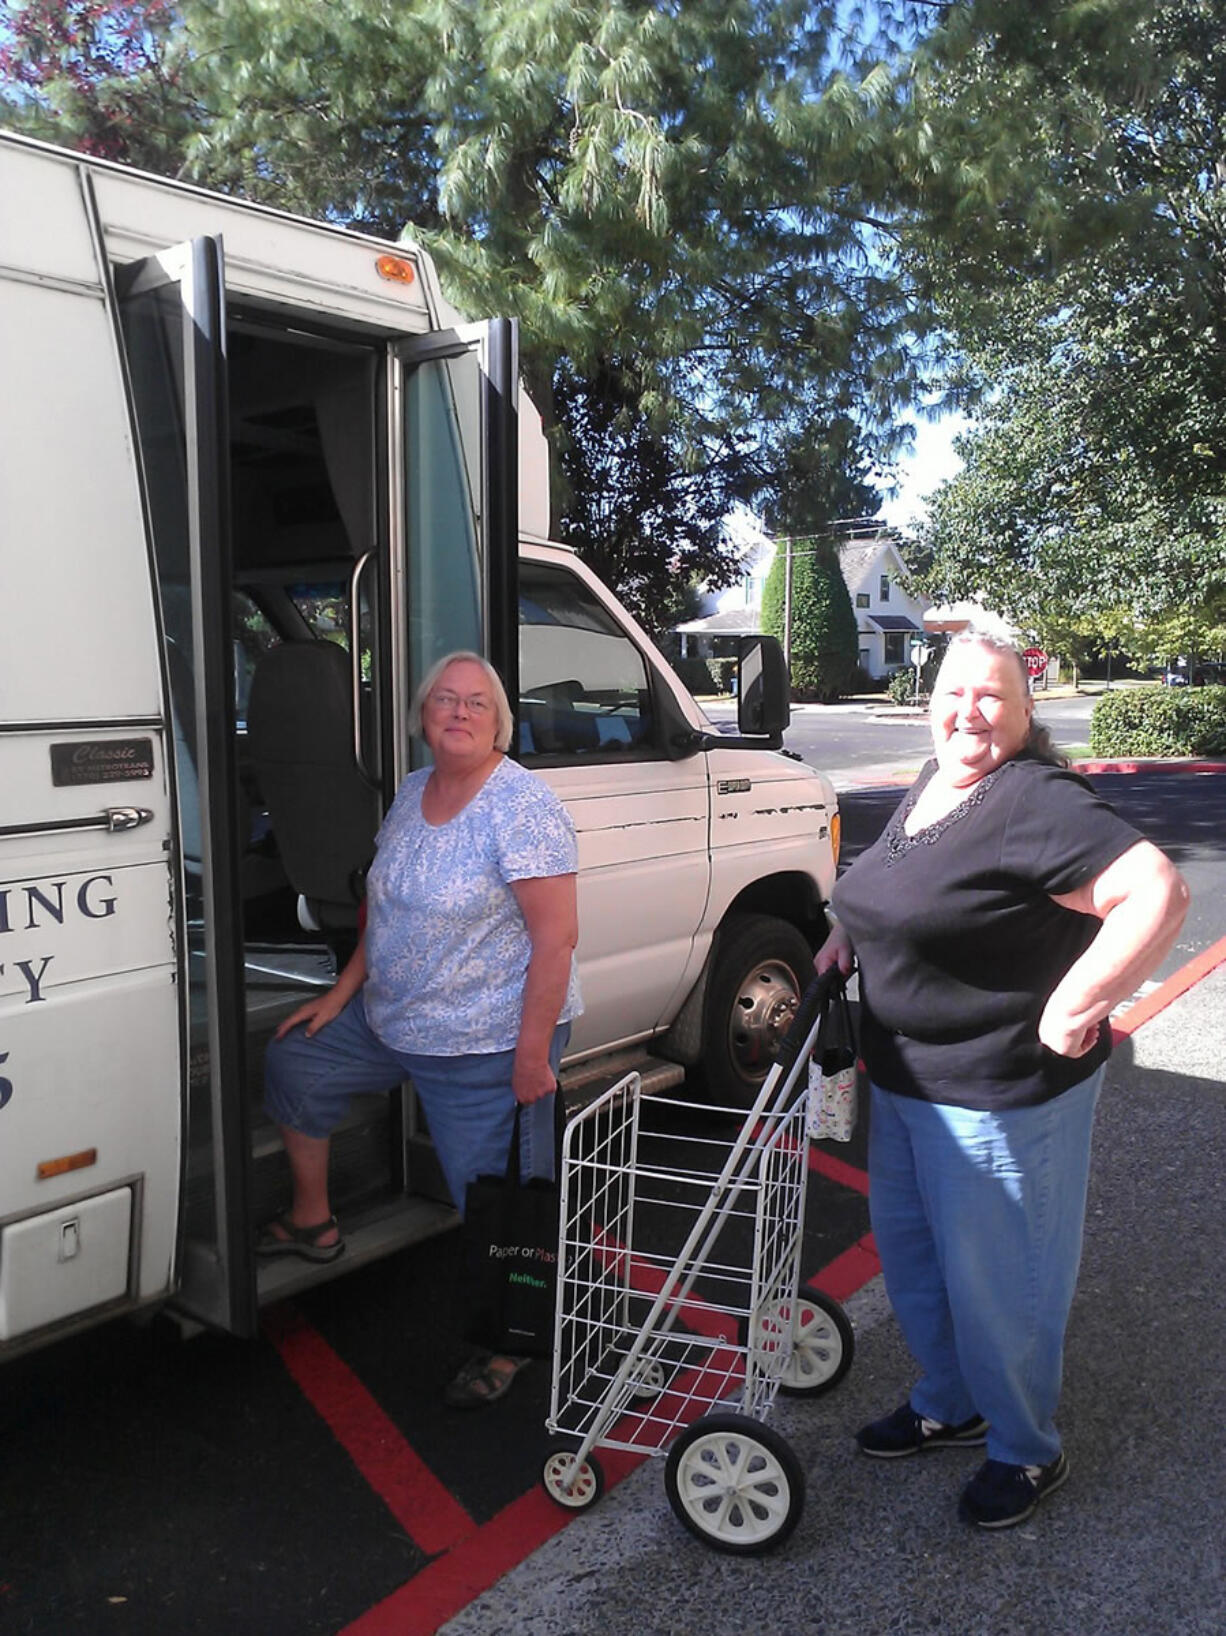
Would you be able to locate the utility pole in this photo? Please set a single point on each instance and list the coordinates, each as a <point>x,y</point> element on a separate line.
<point>787,601</point>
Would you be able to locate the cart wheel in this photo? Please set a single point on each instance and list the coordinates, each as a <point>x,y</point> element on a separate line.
<point>573,1490</point>
<point>648,1379</point>
<point>822,1347</point>
<point>735,1484</point>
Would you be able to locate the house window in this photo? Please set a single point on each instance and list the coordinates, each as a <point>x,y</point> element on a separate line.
<point>884,591</point>
<point>862,599</point>
<point>894,654</point>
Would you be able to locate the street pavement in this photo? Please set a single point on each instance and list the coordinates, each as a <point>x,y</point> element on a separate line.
<point>1133,1543</point>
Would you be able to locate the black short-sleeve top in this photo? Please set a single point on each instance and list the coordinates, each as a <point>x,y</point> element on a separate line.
<point>960,945</point>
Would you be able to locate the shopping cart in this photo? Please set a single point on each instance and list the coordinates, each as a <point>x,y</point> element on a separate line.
<point>678,1316</point>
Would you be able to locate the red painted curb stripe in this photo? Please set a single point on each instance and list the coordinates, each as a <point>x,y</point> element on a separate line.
<point>423,1506</point>
<point>447,1586</point>
<point>838,1170</point>
<point>848,1272</point>
<point>1121,766</point>
<point>1177,983</point>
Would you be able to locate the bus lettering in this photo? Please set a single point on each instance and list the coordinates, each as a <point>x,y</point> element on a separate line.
<point>6,1085</point>
<point>26,968</point>
<point>104,906</point>
<point>35,895</point>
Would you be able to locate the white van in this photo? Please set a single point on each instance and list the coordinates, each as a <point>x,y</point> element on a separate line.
<point>255,478</point>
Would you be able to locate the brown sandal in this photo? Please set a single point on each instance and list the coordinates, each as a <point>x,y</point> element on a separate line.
<point>300,1241</point>
<point>479,1383</point>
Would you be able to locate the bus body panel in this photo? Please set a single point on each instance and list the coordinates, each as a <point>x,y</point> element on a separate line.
<point>90,1054</point>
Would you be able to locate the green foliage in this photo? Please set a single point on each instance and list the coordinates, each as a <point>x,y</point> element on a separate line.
<point>646,525</point>
<point>1070,221</point>
<point>901,686</point>
<point>1160,721</point>
<point>676,201</point>
<point>824,647</point>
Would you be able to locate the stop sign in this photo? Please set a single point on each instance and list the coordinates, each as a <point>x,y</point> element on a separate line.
<point>1036,661</point>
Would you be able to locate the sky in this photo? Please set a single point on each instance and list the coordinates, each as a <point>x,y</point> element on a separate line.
<point>932,461</point>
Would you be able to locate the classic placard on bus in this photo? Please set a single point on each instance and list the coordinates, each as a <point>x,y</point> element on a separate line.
<point>102,761</point>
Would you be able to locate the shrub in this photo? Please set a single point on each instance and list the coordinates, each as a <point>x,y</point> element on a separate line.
<point>696,675</point>
<point>901,686</point>
<point>1160,721</point>
<point>723,670</point>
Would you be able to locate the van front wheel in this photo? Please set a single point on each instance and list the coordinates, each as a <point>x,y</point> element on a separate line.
<point>761,969</point>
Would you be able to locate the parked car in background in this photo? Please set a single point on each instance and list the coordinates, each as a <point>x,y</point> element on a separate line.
<point>1204,673</point>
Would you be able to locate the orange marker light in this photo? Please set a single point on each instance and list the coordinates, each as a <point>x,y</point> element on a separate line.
<point>70,1161</point>
<point>395,269</point>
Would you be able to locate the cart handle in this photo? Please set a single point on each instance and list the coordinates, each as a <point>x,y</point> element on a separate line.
<point>819,993</point>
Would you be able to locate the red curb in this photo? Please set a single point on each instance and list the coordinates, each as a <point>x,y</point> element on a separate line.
<point>1177,983</point>
<point>1157,765</point>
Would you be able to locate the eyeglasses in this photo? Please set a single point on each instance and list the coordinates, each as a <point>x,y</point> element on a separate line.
<point>475,703</point>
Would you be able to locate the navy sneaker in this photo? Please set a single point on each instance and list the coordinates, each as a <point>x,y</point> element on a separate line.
<point>905,1432</point>
<point>1000,1495</point>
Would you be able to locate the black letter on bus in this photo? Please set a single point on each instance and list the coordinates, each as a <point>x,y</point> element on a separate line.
<point>26,970</point>
<point>108,904</point>
<point>55,910</point>
<point>6,1085</point>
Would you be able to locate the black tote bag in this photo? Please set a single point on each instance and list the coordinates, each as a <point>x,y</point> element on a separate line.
<point>511,1227</point>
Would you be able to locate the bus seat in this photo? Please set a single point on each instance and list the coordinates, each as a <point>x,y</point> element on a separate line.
<point>323,812</point>
<point>558,728</point>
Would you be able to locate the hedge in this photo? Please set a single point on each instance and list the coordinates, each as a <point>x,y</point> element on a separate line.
<point>1160,721</point>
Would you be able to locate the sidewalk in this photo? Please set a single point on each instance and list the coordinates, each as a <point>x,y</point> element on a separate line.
<point>1133,1543</point>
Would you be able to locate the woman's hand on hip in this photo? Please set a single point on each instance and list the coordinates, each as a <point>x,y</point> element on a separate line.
<point>835,951</point>
<point>532,1080</point>
<point>1067,1034</point>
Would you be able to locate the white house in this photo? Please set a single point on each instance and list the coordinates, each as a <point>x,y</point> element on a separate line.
<point>886,617</point>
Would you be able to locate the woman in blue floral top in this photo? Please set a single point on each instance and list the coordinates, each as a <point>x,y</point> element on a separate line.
<point>464,978</point>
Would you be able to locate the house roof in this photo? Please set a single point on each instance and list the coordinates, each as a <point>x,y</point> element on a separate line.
<point>732,622</point>
<point>892,622</point>
<point>856,558</point>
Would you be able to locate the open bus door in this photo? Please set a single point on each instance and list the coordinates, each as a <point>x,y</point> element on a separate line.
<point>410,504</point>
<point>172,309</point>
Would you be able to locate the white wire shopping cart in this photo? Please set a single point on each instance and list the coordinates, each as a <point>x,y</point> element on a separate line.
<point>678,1315</point>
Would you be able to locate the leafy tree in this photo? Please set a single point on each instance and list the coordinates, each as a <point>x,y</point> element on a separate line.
<point>108,78</point>
<point>1071,226</point>
<point>679,201</point>
<point>823,646</point>
<point>643,522</point>
<point>673,199</point>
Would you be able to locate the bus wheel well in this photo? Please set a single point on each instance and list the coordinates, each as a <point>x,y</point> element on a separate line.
<point>790,897</point>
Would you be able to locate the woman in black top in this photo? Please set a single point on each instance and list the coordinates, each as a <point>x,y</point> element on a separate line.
<point>1000,916</point>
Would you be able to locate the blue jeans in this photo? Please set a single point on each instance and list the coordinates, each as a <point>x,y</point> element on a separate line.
<point>978,1219</point>
<point>468,1100</point>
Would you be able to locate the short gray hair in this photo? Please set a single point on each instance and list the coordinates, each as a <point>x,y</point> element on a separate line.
<point>506,721</point>
<point>996,637</point>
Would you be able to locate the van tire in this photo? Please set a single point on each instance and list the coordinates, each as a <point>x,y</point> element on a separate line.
<point>762,965</point>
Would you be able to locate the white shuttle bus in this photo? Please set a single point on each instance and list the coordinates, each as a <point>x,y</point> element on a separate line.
<point>255,476</point>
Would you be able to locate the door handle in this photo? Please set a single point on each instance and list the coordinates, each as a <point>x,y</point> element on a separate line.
<point>355,661</point>
<point>115,820</point>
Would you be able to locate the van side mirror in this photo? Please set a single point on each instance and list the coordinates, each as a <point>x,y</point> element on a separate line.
<point>763,687</point>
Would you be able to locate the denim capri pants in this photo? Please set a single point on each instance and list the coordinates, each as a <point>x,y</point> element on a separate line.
<point>468,1100</point>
